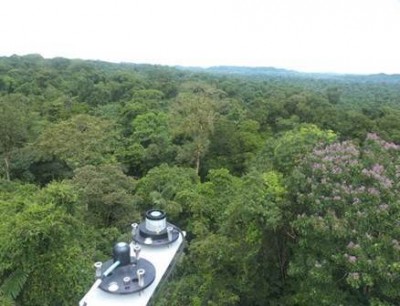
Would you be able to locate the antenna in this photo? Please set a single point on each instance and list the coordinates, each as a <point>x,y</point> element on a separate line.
<point>137,269</point>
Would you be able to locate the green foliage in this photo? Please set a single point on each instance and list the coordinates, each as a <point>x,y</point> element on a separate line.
<point>192,118</point>
<point>79,141</point>
<point>150,143</point>
<point>14,128</point>
<point>292,145</point>
<point>41,248</point>
<point>353,125</point>
<point>14,283</point>
<point>234,145</point>
<point>388,125</point>
<point>105,195</point>
<point>273,215</point>
<point>162,187</point>
<point>61,194</point>
<point>234,222</point>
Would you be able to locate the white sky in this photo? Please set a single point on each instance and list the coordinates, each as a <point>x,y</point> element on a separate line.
<point>353,36</point>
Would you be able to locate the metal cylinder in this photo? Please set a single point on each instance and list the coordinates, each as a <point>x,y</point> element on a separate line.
<point>137,250</point>
<point>111,268</point>
<point>126,280</point>
<point>170,230</point>
<point>98,266</point>
<point>140,275</point>
<point>134,229</point>
<point>156,220</point>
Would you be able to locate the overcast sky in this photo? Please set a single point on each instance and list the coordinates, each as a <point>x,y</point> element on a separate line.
<point>352,36</point>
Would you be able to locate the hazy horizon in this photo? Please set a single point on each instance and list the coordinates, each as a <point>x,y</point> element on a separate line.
<point>331,36</point>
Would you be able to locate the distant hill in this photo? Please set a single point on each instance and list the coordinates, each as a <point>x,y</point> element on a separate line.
<point>285,73</point>
<point>252,70</point>
<point>242,70</point>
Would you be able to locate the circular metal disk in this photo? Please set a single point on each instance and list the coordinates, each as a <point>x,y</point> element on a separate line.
<point>124,279</point>
<point>149,238</point>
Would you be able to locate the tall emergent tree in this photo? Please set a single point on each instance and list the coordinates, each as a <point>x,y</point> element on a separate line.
<point>192,120</point>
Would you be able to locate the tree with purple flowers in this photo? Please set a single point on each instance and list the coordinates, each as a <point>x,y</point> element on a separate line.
<point>347,223</point>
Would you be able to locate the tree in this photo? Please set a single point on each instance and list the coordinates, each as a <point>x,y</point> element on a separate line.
<point>163,186</point>
<point>333,93</point>
<point>41,247</point>
<point>294,144</point>
<point>63,195</point>
<point>106,195</point>
<point>388,125</point>
<point>14,127</point>
<point>234,253</point>
<point>79,141</point>
<point>353,125</point>
<point>192,118</point>
<point>149,144</point>
<point>233,145</point>
<point>345,217</point>
<point>311,107</point>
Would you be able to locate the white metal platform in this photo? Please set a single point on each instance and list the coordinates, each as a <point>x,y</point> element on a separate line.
<point>162,257</point>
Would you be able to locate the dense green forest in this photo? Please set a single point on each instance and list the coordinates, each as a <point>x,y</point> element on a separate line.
<point>287,184</point>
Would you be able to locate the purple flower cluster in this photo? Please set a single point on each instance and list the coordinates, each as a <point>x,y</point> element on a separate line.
<point>327,165</point>
<point>373,191</point>
<point>339,178</point>
<point>353,245</point>
<point>334,159</point>
<point>339,181</point>
<point>318,166</point>
<point>338,153</point>
<point>386,145</point>
<point>352,200</point>
<point>377,173</point>
<point>396,244</point>
<point>373,136</point>
<point>350,258</point>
